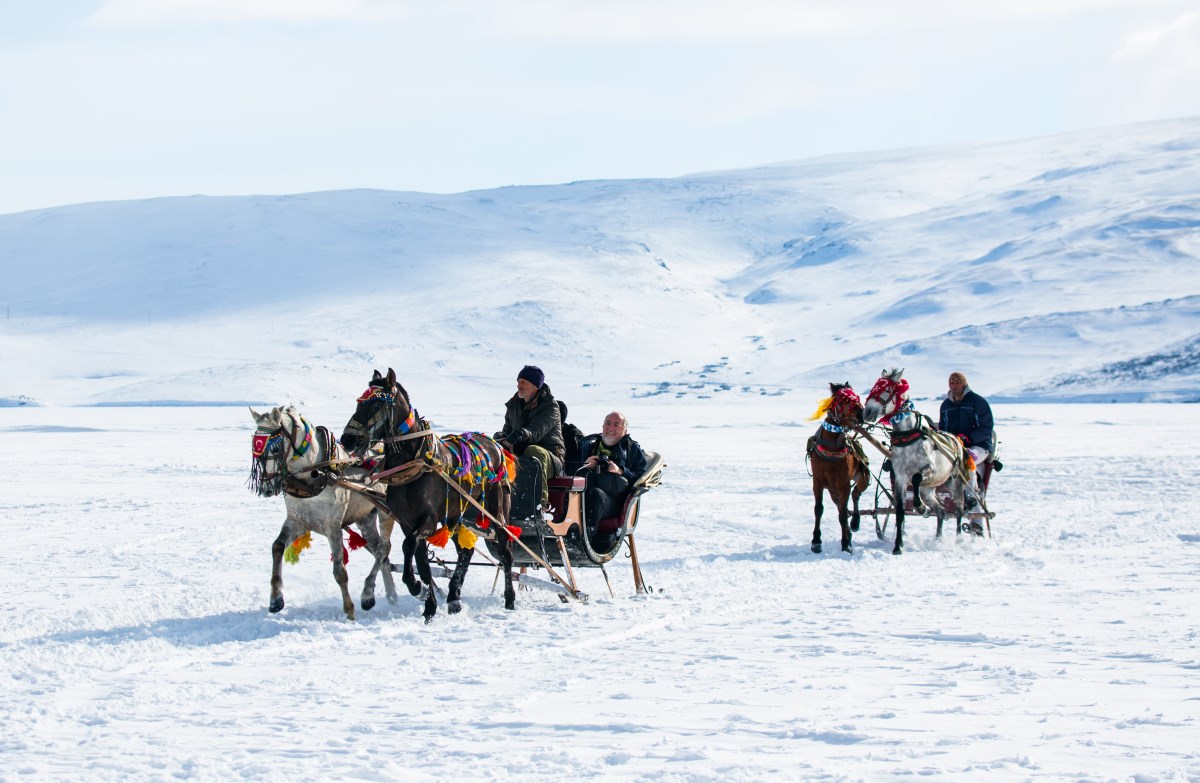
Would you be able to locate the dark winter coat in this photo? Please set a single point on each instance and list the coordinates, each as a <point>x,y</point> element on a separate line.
<point>626,452</point>
<point>970,416</point>
<point>535,423</point>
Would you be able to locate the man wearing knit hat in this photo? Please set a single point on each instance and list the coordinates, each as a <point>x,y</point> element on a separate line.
<point>533,427</point>
<point>967,415</point>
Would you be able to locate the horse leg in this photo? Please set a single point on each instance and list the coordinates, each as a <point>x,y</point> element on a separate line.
<point>380,548</point>
<point>408,547</point>
<point>506,560</point>
<point>918,506</point>
<point>860,480</point>
<point>339,571</point>
<point>898,501</point>
<point>422,558</point>
<point>503,505</point>
<point>454,591</point>
<point>818,509</point>
<point>385,524</point>
<point>284,538</point>
<point>842,501</point>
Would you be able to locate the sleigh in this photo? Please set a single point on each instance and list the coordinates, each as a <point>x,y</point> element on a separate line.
<point>570,540</point>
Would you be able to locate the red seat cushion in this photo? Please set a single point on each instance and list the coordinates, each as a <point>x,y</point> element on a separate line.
<point>568,482</point>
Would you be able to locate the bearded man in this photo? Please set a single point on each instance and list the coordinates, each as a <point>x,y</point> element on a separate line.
<point>614,461</point>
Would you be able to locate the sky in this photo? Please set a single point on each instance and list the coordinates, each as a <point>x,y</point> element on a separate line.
<point>122,99</point>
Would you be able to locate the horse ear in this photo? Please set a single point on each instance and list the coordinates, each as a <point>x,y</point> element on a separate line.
<point>257,416</point>
<point>376,375</point>
<point>391,377</point>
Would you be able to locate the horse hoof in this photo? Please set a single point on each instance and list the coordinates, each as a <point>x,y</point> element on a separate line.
<point>816,548</point>
<point>276,605</point>
<point>854,525</point>
<point>897,551</point>
<point>454,607</point>
<point>414,587</point>
<point>847,548</point>
<point>368,604</point>
<point>510,603</point>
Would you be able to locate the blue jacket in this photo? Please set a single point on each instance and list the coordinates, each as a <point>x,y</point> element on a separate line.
<point>626,452</point>
<point>970,416</point>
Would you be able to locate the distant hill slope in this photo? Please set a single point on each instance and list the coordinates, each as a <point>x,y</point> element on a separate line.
<point>1067,257</point>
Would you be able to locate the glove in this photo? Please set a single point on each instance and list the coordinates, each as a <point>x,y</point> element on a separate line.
<point>521,436</point>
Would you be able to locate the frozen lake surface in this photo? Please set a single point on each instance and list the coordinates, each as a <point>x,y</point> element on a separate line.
<point>135,644</point>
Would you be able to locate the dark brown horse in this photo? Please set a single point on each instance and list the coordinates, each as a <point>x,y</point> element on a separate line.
<point>838,465</point>
<point>420,469</point>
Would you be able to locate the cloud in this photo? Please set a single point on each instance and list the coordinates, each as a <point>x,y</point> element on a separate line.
<point>158,13</point>
<point>633,20</point>
<point>1154,73</point>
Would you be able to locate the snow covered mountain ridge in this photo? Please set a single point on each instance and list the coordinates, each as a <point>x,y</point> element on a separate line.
<point>1053,268</point>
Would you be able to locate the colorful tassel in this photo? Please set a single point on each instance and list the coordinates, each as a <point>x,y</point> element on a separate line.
<point>822,409</point>
<point>292,553</point>
<point>466,537</point>
<point>515,530</point>
<point>441,537</point>
<point>357,541</point>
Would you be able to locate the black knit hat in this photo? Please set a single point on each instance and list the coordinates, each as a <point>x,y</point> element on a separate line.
<point>532,374</point>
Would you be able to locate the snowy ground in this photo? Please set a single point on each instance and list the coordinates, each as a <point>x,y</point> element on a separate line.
<point>135,644</point>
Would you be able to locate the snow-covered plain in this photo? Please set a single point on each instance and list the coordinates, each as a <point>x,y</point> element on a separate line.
<point>135,642</point>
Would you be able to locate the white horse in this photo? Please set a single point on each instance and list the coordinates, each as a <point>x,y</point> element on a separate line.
<point>286,448</point>
<point>920,456</point>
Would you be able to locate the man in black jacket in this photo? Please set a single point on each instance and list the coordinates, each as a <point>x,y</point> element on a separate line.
<point>532,426</point>
<point>967,415</point>
<point>615,461</point>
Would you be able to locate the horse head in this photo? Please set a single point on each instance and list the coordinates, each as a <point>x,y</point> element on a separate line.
<point>268,469</point>
<point>846,409</point>
<point>887,396</point>
<point>383,410</point>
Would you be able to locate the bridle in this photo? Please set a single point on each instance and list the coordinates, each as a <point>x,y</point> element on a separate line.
<point>267,446</point>
<point>890,394</point>
<point>413,427</point>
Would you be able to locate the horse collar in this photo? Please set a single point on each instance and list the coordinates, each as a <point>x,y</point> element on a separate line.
<point>907,438</point>
<point>829,425</point>
<point>301,448</point>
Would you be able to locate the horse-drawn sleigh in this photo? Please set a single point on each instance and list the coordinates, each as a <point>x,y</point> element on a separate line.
<point>925,471</point>
<point>436,489</point>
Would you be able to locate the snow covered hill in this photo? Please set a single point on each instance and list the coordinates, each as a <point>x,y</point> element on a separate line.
<point>1045,268</point>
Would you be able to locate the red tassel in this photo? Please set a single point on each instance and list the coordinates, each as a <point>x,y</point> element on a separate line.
<point>484,523</point>
<point>345,556</point>
<point>357,541</point>
<point>515,530</point>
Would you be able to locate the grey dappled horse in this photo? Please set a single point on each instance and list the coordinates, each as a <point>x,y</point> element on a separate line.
<point>285,448</point>
<point>921,456</point>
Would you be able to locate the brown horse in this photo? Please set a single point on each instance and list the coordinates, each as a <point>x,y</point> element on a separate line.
<point>839,466</point>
